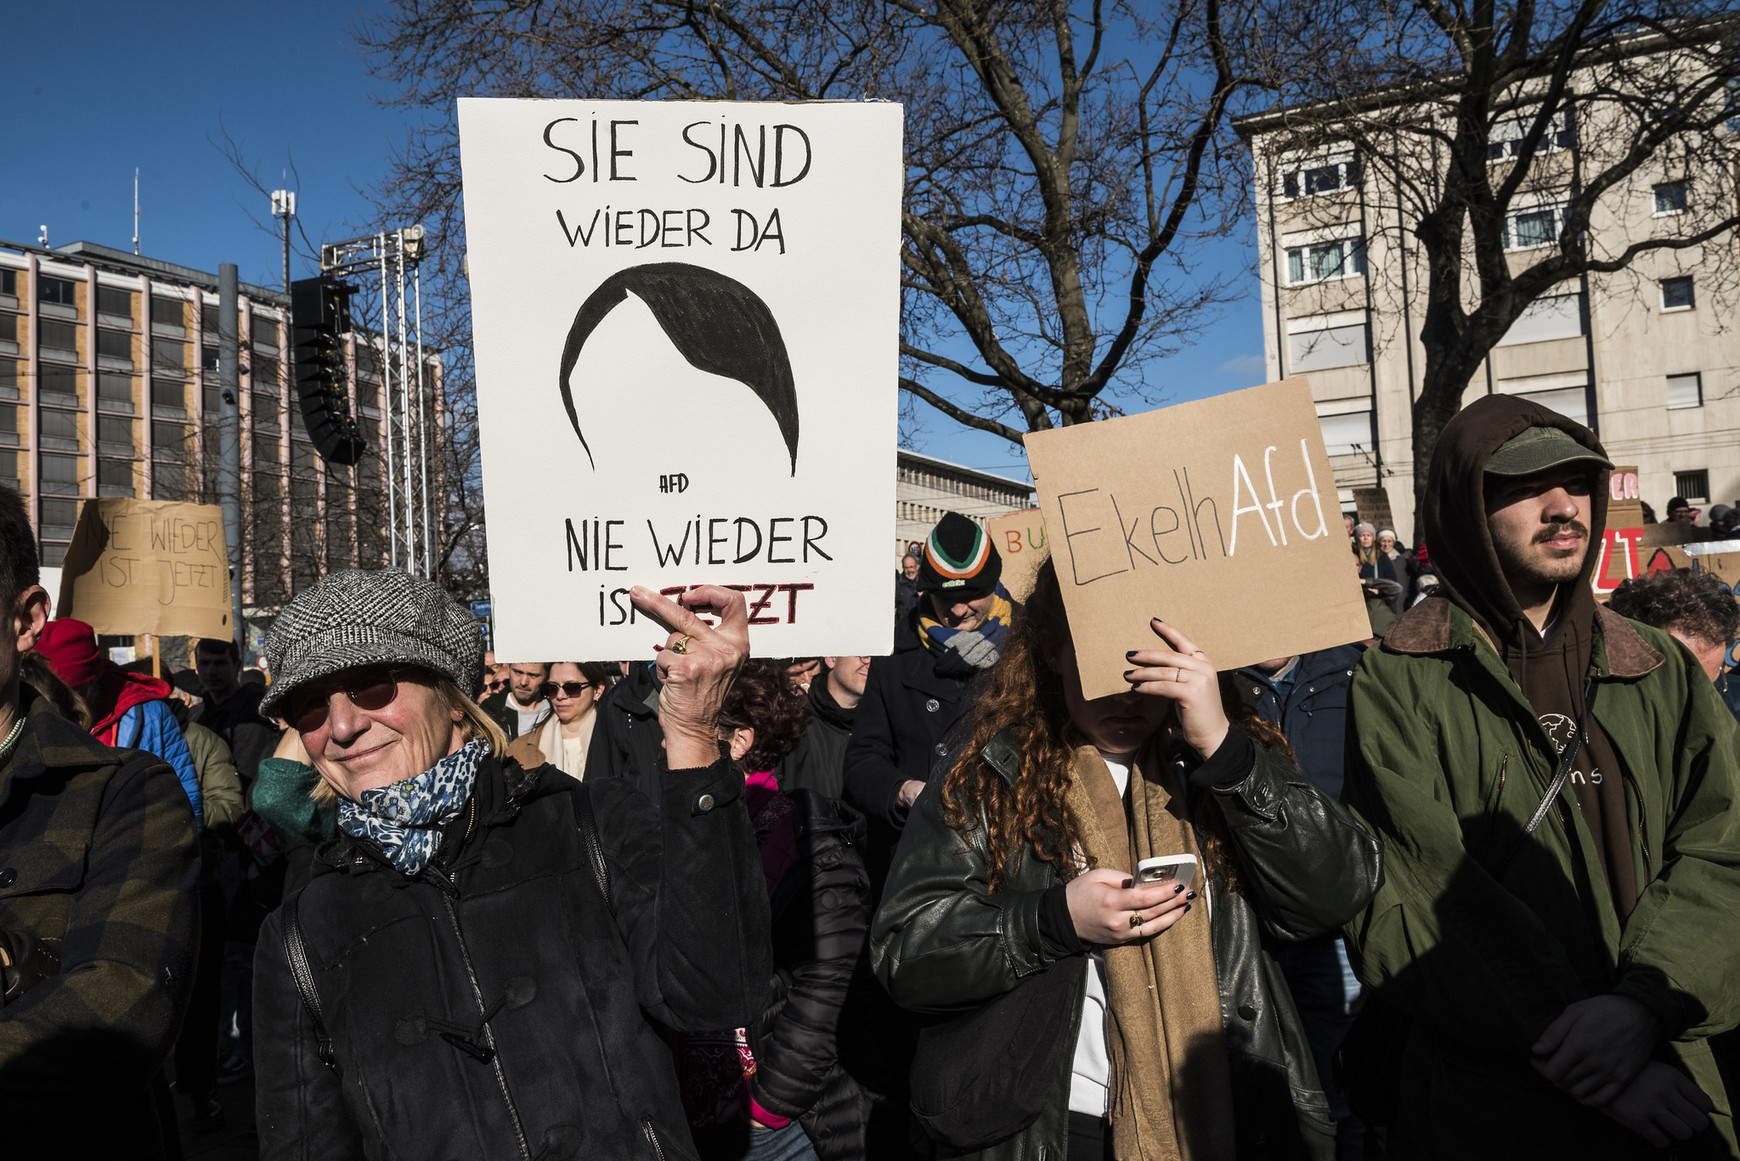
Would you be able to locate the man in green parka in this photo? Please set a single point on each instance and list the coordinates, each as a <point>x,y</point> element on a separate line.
<point>1560,984</point>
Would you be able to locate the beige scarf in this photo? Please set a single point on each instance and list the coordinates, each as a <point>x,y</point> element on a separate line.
<point>1171,1090</point>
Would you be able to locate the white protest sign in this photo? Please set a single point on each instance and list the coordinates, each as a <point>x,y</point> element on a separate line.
<point>686,320</point>
<point>1214,515</point>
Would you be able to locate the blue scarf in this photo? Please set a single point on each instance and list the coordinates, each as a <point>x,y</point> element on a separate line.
<point>405,818</point>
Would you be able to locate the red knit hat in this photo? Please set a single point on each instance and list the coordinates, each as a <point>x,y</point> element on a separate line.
<point>70,648</point>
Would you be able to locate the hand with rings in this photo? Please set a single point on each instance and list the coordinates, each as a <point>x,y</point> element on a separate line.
<point>1179,671</point>
<point>696,665</point>
<point>1108,908</point>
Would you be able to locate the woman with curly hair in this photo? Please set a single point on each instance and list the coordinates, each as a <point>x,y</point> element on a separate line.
<point>1183,1041</point>
<point>778,1091</point>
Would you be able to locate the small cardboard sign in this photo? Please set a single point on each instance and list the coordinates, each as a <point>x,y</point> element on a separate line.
<point>1619,557</point>
<point>686,319</point>
<point>148,566</point>
<point>1214,515</point>
<point>1019,538</point>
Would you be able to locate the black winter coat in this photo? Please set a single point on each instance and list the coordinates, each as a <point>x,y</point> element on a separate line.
<point>1314,719</point>
<point>821,925</point>
<point>627,741</point>
<point>819,761</point>
<point>493,1006</point>
<point>911,700</point>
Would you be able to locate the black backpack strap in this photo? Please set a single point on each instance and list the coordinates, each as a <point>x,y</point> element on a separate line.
<point>587,822</point>
<point>296,951</point>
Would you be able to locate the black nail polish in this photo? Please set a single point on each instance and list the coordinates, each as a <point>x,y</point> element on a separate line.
<point>1178,888</point>
<point>1192,895</point>
<point>1127,673</point>
<point>1187,906</point>
<point>1130,656</point>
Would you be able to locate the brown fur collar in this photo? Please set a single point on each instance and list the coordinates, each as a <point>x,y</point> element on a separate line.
<point>1425,628</point>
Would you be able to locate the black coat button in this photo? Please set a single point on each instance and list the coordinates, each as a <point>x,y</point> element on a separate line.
<point>1246,1012</point>
<point>941,749</point>
<point>8,877</point>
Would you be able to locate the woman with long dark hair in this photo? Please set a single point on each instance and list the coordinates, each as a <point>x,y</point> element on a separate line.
<point>1019,860</point>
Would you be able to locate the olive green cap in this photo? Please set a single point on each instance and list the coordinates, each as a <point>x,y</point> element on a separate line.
<point>1536,450</point>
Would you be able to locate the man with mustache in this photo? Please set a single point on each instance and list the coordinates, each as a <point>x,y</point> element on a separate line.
<point>1556,787</point>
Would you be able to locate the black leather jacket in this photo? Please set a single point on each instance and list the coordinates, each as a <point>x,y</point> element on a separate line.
<point>940,943</point>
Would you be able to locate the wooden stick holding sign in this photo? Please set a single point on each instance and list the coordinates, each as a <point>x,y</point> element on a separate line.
<point>1218,516</point>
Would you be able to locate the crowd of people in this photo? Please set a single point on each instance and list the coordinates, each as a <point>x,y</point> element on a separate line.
<point>1459,889</point>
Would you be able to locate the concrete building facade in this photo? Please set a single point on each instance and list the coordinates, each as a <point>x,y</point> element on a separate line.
<point>1649,356</point>
<point>109,387</point>
<point>925,488</point>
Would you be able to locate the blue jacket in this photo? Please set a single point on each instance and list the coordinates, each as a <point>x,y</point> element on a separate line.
<point>151,726</point>
<point>1314,716</point>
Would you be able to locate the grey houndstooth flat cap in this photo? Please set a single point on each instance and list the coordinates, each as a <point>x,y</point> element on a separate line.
<point>354,618</point>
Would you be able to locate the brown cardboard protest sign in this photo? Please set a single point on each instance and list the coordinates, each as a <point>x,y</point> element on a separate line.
<point>1215,515</point>
<point>1619,558</point>
<point>148,566</point>
<point>1019,538</point>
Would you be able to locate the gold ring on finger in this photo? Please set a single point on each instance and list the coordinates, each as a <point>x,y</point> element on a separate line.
<point>1178,675</point>
<point>1135,920</point>
<point>681,645</point>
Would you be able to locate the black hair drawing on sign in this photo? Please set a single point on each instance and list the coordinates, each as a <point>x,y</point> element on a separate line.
<point>718,324</point>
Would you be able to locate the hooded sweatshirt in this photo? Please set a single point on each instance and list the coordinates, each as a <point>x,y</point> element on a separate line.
<point>1552,669</point>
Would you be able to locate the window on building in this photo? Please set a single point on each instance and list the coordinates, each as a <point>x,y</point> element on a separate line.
<point>114,392</point>
<point>1320,176</point>
<point>1552,316</point>
<point>115,345</point>
<point>1537,226</point>
<point>9,376</point>
<point>265,452</point>
<point>169,357</point>
<point>59,384</point>
<point>266,411</point>
<point>169,481</point>
<point>208,318</point>
<point>8,424</point>
<point>1321,261</point>
<point>59,339</point>
<point>113,301</point>
<point>1571,402</point>
<point>9,328</point>
<point>208,360</point>
<point>60,429</point>
<point>115,436</point>
<point>1324,348</point>
<point>302,461</point>
<point>9,282</point>
<point>60,476</point>
<point>1506,140</point>
<point>168,312</point>
<point>266,371</point>
<point>1677,293</point>
<point>114,478</point>
<point>9,472</point>
<point>58,518</point>
<point>169,440</point>
<point>169,396</point>
<point>1670,197</point>
<point>1685,391</point>
<point>264,334</point>
<point>1694,486</point>
<point>58,291</point>
<point>1346,434</point>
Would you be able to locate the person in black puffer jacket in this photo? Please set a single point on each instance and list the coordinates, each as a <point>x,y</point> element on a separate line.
<point>743,1089</point>
<point>486,979</point>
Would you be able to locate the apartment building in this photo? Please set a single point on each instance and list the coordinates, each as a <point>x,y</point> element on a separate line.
<point>1649,356</point>
<point>109,387</point>
<point>925,488</point>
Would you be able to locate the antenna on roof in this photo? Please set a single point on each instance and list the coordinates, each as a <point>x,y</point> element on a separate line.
<point>135,211</point>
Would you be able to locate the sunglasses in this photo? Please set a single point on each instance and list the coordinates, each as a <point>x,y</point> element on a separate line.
<point>568,688</point>
<point>367,689</point>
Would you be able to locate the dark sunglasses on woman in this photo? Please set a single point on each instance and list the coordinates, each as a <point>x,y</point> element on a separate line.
<point>568,688</point>
<point>367,689</point>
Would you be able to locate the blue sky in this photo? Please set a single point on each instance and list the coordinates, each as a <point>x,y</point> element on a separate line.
<point>100,88</point>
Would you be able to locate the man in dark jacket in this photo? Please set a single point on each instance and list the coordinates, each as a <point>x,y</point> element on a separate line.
<point>819,762</point>
<point>912,698</point>
<point>626,739</point>
<point>1306,696</point>
<point>232,706</point>
<point>99,876</point>
<point>520,708</point>
<point>1556,790</point>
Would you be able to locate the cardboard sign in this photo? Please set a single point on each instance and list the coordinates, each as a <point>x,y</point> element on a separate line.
<point>1219,516</point>
<point>1619,556</point>
<point>148,566</point>
<point>1020,539</point>
<point>686,320</point>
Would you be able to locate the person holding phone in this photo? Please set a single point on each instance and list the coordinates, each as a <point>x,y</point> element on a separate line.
<point>1023,854</point>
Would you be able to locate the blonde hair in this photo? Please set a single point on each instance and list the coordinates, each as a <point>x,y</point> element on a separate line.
<point>473,725</point>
